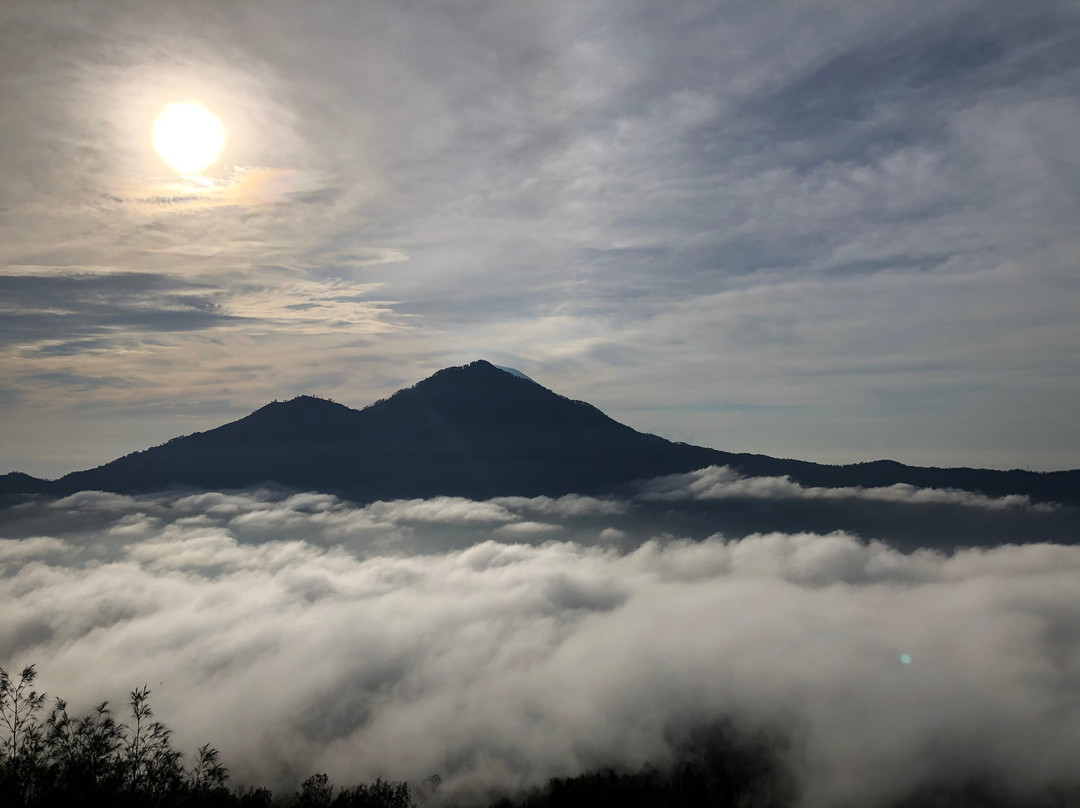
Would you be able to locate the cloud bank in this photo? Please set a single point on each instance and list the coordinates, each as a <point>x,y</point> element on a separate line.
<point>301,634</point>
<point>723,482</point>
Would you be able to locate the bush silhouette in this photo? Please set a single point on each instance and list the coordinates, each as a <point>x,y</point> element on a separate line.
<point>93,760</point>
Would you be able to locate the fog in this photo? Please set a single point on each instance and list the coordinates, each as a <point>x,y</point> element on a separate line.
<point>500,643</point>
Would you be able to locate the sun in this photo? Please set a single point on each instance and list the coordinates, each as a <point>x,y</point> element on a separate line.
<point>188,136</point>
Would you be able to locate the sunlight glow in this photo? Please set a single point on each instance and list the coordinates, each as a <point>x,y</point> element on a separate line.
<point>188,136</point>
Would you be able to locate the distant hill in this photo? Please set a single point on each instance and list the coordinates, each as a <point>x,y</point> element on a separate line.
<point>18,483</point>
<point>476,431</point>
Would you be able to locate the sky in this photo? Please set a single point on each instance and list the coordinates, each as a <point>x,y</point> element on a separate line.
<point>836,230</point>
<point>503,642</point>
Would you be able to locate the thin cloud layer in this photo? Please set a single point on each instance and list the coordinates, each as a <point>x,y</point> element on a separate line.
<point>302,634</point>
<point>723,482</point>
<point>710,501</point>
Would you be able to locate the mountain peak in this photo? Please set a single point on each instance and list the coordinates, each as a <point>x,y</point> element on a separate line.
<point>478,369</point>
<point>473,377</point>
<point>474,382</point>
<point>476,430</point>
<point>295,416</point>
<point>298,405</point>
<point>306,402</point>
<point>514,372</point>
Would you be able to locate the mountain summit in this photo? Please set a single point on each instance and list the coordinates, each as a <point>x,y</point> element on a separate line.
<point>477,431</point>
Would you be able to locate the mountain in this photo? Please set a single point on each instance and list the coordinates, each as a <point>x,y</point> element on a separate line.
<point>16,482</point>
<point>472,431</point>
<point>476,431</point>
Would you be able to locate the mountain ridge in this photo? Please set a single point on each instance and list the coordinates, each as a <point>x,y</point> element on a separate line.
<point>474,430</point>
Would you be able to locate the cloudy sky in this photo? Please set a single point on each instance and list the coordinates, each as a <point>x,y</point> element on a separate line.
<point>500,643</point>
<point>834,230</point>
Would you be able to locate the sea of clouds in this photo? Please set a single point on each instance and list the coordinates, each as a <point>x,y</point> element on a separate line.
<point>500,643</point>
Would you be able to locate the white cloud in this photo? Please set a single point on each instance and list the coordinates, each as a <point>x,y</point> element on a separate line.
<point>501,664</point>
<point>567,505</point>
<point>611,534</point>
<point>723,482</point>
<point>451,510</point>
<point>20,550</point>
<point>527,529</point>
<point>95,501</point>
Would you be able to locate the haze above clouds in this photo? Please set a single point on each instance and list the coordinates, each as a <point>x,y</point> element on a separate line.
<point>833,230</point>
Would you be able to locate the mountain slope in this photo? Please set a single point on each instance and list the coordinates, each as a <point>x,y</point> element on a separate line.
<point>16,482</point>
<point>472,431</point>
<point>475,431</point>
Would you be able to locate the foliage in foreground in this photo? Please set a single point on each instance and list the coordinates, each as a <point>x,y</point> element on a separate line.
<point>57,759</point>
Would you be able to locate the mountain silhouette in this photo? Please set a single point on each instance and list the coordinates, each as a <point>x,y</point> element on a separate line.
<point>476,431</point>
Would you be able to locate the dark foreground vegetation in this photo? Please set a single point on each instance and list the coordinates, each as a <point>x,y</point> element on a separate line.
<point>55,759</point>
<point>49,758</point>
<point>716,766</point>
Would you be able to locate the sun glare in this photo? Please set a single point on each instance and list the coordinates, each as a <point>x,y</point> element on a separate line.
<point>188,136</point>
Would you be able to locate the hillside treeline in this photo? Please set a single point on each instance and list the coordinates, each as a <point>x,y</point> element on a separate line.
<point>716,767</point>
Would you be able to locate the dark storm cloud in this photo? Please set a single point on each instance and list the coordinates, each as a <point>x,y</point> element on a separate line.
<point>302,633</point>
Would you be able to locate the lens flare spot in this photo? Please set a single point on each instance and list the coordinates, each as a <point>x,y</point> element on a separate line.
<point>905,658</point>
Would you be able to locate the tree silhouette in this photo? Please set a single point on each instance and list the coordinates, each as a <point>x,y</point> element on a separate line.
<point>152,766</point>
<point>22,744</point>
<point>94,761</point>
<point>315,792</point>
<point>19,706</point>
<point>83,750</point>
